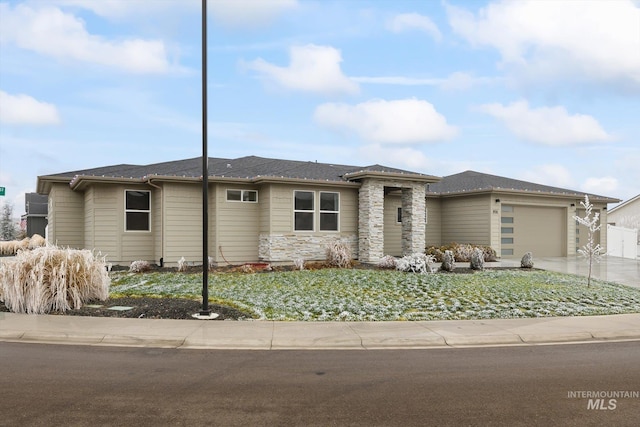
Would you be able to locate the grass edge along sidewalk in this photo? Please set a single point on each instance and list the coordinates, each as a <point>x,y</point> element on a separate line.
<point>383,295</point>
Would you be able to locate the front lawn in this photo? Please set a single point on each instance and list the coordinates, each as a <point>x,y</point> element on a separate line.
<point>358,295</point>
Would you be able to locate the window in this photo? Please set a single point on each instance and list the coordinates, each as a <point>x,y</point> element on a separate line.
<point>506,252</point>
<point>507,230</point>
<point>399,216</point>
<point>303,210</point>
<point>507,208</point>
<point>329,211</point>
<point>248,196</point>
<point>507,240</point>
<point>137,210</point>
<point>507,220</point>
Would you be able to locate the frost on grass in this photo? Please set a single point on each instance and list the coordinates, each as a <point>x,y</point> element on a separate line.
<point>52,279</point>
<point>377,295</point>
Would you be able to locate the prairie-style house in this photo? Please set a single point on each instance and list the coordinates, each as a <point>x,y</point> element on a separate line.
<point>273,210</point>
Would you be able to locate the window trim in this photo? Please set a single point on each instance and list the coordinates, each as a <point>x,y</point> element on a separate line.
<point>147,211</point>
<point>242,196</point>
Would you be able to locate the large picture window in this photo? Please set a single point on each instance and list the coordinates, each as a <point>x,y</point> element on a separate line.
<point>303,210</point>
<point>137,210</point>
<point>329,211</point>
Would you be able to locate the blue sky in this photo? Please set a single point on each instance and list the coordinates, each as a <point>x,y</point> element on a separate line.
<point>543,91</point>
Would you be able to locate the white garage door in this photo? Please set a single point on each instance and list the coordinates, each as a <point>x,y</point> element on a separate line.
<point>540,230</point>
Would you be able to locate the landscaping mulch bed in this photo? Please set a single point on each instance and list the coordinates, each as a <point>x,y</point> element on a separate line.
<point>149,308</point>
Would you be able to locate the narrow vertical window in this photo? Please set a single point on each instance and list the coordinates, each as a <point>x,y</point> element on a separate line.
<point>329,211</point>
<point>137,210</point>
<point>303,210</point>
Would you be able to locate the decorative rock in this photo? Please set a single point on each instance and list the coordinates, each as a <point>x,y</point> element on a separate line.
<point>527,260</point>
<point>448,261</point>
<point>477,259</point>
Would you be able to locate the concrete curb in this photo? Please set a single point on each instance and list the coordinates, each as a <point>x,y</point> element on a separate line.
<point>270,335</point>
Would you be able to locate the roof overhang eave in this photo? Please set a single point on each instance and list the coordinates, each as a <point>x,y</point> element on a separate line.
<point>577,196</point>
<point>396,176</point>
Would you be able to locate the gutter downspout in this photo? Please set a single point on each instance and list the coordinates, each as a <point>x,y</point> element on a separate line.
<point>161,220</point>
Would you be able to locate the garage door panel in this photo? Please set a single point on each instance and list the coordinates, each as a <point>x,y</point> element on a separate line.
<point>540,230</point>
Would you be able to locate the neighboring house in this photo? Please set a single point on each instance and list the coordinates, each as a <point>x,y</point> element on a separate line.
<point>277,211</point>
<point>626,214</point>
<point>35,206</point>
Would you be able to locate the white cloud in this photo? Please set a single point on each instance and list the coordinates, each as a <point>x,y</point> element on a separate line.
<point>596,40</point>
<point>547,125</point>
<point>50,31</point>
<point>601,186</point>
<point>551,174</point>
<point>26,110</point>
<point>248,13</point>
<point>454,81</point>
<point>120,10</point>
<point>312,69</point>
<point>414,21</point>
<point>400,157</point>
<point>403,121</point>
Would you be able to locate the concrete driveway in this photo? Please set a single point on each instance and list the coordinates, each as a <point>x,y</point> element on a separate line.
<point>611,269</point>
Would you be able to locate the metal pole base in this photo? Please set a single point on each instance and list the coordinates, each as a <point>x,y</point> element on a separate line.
<point>205,316</point>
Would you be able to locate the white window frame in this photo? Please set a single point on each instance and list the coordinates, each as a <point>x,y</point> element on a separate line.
<point>337,213</point>
<point>311,211</point>
<point>242,196</point>
<point>126,211</point>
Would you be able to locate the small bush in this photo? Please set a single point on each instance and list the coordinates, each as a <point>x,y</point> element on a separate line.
<point>182,264</point>
<point>477,259</point>
<point>527,260</point>
<point>338,254</point>
<point>416,263</point>
<point>461,252</point>
<point>52,279</point>
<point>139,266</point>
<point>387,262</point>
<point>298,263</point>
<point>448,261</point>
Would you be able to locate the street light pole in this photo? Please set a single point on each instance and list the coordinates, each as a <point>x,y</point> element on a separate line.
<point>205,313</point>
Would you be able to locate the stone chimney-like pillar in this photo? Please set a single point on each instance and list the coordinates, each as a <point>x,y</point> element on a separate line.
<point>371,221</point>
<point>413,219</point>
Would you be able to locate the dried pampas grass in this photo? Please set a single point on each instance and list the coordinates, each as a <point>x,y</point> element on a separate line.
<point>52,279</point>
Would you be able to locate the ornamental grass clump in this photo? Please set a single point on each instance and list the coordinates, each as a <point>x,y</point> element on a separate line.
<point>338,254</point>
<point>52,279</point>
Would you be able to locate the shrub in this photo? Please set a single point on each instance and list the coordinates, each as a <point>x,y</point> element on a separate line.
<point>387,262</point>
<point>37,241</point>
<point>527,260</point>
<point>416,263</point>
<point>448,261</point>
<point>139,266</point>
<point>461,252</point>
<point>298,263</point>
<point>182,264</point>
<point>50,278</point>
<point>338,254</point>
<point>477,259</point>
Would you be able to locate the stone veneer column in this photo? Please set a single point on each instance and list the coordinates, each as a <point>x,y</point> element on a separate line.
<point>413,219</point>
<point>371,221</point>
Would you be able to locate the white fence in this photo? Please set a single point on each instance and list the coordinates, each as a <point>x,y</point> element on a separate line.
<point>622,242</point>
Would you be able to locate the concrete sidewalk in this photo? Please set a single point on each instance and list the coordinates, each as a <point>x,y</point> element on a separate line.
<point>269,335</point>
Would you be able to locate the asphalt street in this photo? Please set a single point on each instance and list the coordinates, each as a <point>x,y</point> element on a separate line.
<point>44,385</point>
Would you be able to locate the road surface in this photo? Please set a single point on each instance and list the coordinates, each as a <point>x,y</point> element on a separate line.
<point>47,385</point>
